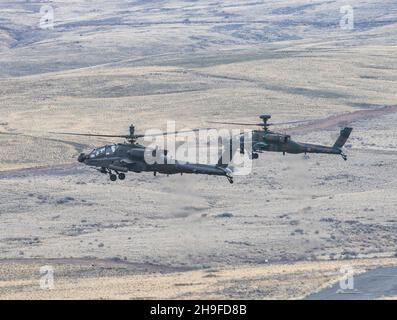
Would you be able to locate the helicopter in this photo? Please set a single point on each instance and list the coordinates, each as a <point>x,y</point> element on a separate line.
<point>118,159</point>
<point>266,140</point>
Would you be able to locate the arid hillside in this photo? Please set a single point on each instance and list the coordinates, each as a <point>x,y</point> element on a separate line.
<point>106,64</point>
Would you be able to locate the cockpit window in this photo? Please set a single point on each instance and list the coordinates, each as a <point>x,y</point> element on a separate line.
<point>110,149</point>
<point>98,152</point>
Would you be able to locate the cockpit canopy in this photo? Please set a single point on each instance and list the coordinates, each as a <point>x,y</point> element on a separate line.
<point>100,152</point>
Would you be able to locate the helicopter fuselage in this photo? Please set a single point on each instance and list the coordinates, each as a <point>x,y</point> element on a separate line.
<point>266,140</point>
<point>122,158</point>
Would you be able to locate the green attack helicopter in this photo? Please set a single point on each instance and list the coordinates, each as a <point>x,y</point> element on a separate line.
<point>116,160</point>
<point>266,140</point>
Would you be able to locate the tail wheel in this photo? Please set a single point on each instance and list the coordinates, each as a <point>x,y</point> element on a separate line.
<point>113,177</point>
<point>121,176</point>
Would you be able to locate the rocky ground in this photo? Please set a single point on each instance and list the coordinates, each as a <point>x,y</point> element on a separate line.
<point>104,279</point>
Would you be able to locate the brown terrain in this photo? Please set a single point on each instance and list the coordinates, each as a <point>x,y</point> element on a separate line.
<point>282,232</point>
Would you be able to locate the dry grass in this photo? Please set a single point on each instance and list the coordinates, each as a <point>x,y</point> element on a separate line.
<point>103,68</point>
<point>90,280</point>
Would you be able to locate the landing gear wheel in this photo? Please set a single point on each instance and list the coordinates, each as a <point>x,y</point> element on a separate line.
<point>255,156</point>
<point>121,176</point>
<point>230,179</point>
<point>344,156</point>
<point>113,177</point>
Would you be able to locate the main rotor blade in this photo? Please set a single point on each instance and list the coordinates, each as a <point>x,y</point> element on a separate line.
<point>262,124</point>
<point>91,135</point>
<point>171,133</point>
<point>135,136</point>
<point>290,122</point>
<point>237,123</point>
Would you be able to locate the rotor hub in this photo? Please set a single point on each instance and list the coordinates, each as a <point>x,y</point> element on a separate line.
<point>265,118</point>
<point>132,130</point>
